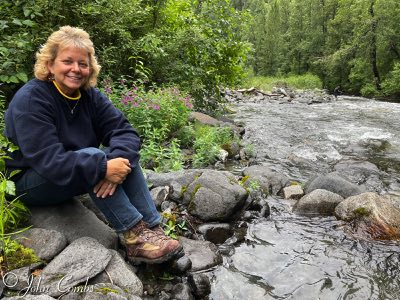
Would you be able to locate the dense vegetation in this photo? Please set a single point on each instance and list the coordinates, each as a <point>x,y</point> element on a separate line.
<point>354,44</point>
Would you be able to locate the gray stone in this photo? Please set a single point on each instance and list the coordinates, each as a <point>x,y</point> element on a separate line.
<point>100,291</point>
<point>293,192</point>
<point>204,119</point>
<point>29,297</point>
<point>271,182</point>
<point>213,196</point>
<point>361,172</point>
<point>176,192</point>
<point>334,183</point>
<point>216,233</point>
<point>73,220</point>
<point>89,204</point>
<point>375,215</point>
<point>181,265</point>
<point>18,279</point>
<point>181,291</point>
<point>200,284</point>
<point>159,194</point>
<point>203,254</point>
<point>121,274</point>
<point>318,202</point>
<point>45,243</point>
<point>80,261</point>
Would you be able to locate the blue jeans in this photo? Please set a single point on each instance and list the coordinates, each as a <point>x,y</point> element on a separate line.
<point>130,202</point>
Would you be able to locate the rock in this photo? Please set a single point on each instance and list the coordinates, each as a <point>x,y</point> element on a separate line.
<point>181,265</point>
<point>18,279</point>
<point>204,119</point>
<point>45,243</point>
<point>334,183</point>
<point>74,221</point>
<point>372,214</point>
<point>213,196</point>
<point>269,180</point>
<point>120,274</point>
<point>89,204</point>
<point>293,192</point>
<point>29,297</point>
<point>200,284</point>
<point>361,172</point>
<point>100,291</point>
<point>216,233</point>
<point>80,261</point>
<point>168,206</point>
<point>181,291</point>
<point>203,254</point>
<point>223,155</point>
<point>159,194</point>
<point>318,202</point>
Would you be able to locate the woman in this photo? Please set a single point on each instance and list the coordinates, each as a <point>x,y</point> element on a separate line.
<point>58,120</point>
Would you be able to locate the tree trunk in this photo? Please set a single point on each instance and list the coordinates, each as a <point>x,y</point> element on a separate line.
<point>375,71</point>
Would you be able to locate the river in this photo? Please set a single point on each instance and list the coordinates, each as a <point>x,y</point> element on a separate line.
<point>286,256</point>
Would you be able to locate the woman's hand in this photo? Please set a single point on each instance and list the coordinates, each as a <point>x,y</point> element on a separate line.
<point>117,170</point>
<point>105,188</point>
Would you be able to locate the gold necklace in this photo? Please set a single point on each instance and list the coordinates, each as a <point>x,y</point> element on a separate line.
<point>77,98</point>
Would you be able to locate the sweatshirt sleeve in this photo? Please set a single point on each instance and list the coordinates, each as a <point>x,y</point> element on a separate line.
<point>115,131</point>
<point>35,132</point>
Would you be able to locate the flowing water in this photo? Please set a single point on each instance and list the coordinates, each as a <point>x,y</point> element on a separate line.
<point>286,256</point>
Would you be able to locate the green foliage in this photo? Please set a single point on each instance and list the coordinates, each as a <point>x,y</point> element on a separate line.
<point>158,114</point>
<point>391,85</point>
<point>16,256</point>
<point>208,143</point>
<point>171,227</point>
<point>305,81</point>
<point>12,213</point>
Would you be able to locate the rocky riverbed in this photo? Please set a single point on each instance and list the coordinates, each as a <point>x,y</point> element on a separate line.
<point>288,216</point>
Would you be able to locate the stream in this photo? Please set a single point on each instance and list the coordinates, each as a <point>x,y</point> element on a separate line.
<point>286,256</point>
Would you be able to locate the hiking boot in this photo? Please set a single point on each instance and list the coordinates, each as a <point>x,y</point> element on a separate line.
<point>145,245</point>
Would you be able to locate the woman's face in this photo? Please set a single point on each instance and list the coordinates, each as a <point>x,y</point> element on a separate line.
<point>71,69</point>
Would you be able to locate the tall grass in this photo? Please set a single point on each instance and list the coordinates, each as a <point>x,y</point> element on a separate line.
<point>306,81</point>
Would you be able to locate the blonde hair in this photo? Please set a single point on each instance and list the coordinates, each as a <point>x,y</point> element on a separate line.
<point>66,36</point>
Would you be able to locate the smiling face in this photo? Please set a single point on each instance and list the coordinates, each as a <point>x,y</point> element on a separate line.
<point>70,69</point>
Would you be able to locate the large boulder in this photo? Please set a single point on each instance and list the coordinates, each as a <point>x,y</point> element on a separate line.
<point>371,214</point>
<point>334,183</point>
<point>45,243</point>
<point>76,264</point>
<point>271,182</point>
<point>214,196</point>
<point>74,221</point>
<point>361,172</point>
<point>318,202</point>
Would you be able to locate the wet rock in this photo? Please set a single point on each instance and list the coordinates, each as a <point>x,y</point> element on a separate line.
<point>181,265</point>
<point>200,284</point>
<point>80,261</point>
<point>269,180</point>
<point>214,196</point>
<point>293,192</point>
<point>371,214</point>
<point>361,172</point>
<point>203,254</point>
<point>74,221</point>
<point>159,194</point>
<point>164,296</point>
<point>318,202</point>
<point>181,291</point>
<point>334,183</point>
<point>45,243</point>
<point>216,233</point>
<point>120,274</point>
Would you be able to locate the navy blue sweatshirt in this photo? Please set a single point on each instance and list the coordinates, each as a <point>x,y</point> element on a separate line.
<point>39,121</point>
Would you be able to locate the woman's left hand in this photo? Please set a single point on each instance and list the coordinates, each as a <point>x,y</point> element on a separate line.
<point>105,188</point>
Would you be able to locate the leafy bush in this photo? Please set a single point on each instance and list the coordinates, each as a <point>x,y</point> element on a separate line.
<point>208,143</point>
<point>157,114</point>
<point>391,85</point>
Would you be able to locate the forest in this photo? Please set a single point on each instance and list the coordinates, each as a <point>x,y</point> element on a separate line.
<point>203,46</point>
